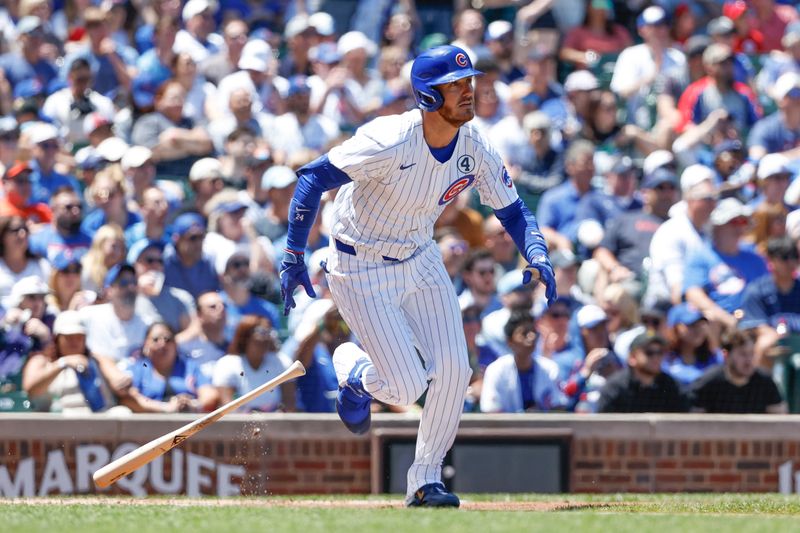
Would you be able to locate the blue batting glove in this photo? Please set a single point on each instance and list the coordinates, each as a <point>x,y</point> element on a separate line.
<point>294,273</point>
<point>539,268</point>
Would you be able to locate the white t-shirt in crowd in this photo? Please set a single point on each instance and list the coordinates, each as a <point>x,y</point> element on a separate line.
<point>35,267</point>
<point>107,335</point>
<point>234,371</point>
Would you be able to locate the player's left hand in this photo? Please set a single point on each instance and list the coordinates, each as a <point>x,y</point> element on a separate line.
<point>294,273</point>
<point>540,269</point>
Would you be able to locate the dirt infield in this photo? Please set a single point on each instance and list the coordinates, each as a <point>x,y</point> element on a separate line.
<point>322,503</point>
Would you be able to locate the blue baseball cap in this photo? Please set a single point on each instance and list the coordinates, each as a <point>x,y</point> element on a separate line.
<point>683,314</point>
<point>658,177</point>
<point>298,85</point>
<point>230,207</point>
<point>186,222</point>
<point>66,258</point>
<point>140,246</point>
<point>327,53</point>
<point>114,273</point>
<point>511,282</point>
<point>28,88</point>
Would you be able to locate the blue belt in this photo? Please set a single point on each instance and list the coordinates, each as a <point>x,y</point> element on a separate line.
<point>350,250</point>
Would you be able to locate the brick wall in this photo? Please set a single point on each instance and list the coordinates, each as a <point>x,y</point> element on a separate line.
<point>294,454</point>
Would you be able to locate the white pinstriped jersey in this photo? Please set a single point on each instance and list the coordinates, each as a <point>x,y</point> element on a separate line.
<point>399,189</point>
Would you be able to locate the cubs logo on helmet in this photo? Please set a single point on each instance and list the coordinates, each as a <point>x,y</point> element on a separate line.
<point>437,66</point>
<point>455,188</point>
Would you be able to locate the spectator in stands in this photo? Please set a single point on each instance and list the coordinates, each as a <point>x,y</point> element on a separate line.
<point>107,250</point>
<point>175,140</point>
<point>139,174</point>
<point>300,36</point>
<point>468,222</point>
<point>556,211</point>
<point>253,360</point>
<point>25,308</point>
<point>163,381</point>
<point>64,233</point>
<point>602,206</point>
<point>200,106</point>
<point>772,302</point>
<point>107,193</point>
<point>643,387</point>
<point>157,303</point>
<point>521,380</point>
<point>114,329</point>
<point>480,356</point>
<point>29,62</point>
<point>69,380</point>
<point>45,179</point>
<point>499,40</point>
<point>185,265</point>
<point>780,131</point>
<point>207,342</point>
<point>679,236</point>
<point>69,106</point>
<point>298,127</point>
<point>154,210</point>
<point>236,277</point>
<point>16,259</point>
<point>322,331</point>
<point>198,38</point>
<point>205,180</point>
<point>16,198</point>
<point>774,174</point>
<point>9,141</point>
<point>256,74</point>
<point>716,274</point>
<point>454,252</point>
<point>556,339</point>
<point>692,348</point>
<point>155,63</point>
<point>112,64</point>
<point>770,20</point>
<point>719,90</point>
<point>241,115</point>
<point>737,385</point>
<point>599,35</point>
<point>499,243</point>
<point>769,222</point>
<point>65,284</point>
<point>626,242</point>
<point>224,62</point>
<point>779,63</point>
<point>478,274</point>
<point>514,295</point>
<point>279,183</point>
<point>723,31</point>
<point>229,229</point>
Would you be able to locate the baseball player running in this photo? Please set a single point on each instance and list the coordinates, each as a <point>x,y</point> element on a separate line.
<point>385,273</point>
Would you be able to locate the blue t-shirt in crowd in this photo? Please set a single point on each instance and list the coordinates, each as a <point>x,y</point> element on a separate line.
<point>771,133</point>
<point>763,303</point>
<point>723,277</point>
<point>44,185</point>
<point>254,306</point>
<point>684,373</point>
<point>185,378</point>
<point>49,243</point>
<point>105,77</point>
<point>602,207</point>
<point>317,390</point>
<point>199,278</point>
<point>17,69</point>
<point>557,209</point>
<point>92,222</point>
<point>526,385</point>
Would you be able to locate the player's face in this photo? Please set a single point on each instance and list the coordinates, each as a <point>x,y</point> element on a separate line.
<point>459,101</point>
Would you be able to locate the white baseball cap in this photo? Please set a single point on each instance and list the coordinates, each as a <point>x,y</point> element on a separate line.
<point>793,224</point>
<point>112,149</point>
<point>656,159</point>
<point>497,29</point>
<point>278,177</point>
<point>580,80</point>
<point>256,55</point>
<point>28,286</point>
<point>590,315</point>
<point>727,210</point>
<point>694,175</point>
<point>42,132</point>
<point>354,40</point>
<point>322,22</point>
<point>772,164</point>
<point>195,7</point>
<point>785,84</point>
<point>296,25</point>
<point>208,168</point>
<point>135,157</point>
<point>69,323</point>
<point>95,120</point>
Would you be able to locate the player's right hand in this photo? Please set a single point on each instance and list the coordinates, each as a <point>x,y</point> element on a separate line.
<point>294,273</point>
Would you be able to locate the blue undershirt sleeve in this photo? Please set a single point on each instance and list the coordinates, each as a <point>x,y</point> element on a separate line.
<point>520,223</point>
<point>312,180</point>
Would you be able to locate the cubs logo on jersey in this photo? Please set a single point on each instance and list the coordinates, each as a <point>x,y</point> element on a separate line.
<point>506,178</point>
<point>455,188</point>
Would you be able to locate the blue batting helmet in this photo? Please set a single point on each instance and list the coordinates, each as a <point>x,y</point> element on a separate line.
<point>436,66</point>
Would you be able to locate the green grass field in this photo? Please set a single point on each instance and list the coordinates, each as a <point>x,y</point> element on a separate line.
<point>481,513</point>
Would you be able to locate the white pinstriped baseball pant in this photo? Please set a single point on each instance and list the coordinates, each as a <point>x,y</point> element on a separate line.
<point>394,307</point>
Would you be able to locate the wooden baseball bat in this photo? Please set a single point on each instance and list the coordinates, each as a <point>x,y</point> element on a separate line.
<point>155,448</point>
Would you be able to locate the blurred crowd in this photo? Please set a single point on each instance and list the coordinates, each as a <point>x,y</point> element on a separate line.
<point>149,148</point>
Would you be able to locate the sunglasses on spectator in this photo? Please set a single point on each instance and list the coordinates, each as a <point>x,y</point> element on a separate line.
<point>73,207</point>
<point>654,352</point>
<point>126,283</point>
<point>21,181</point>
<point>262,332</point>
<point>152,260</point>
<point>239,263</point>
<point>71,269</point>
<point>786,257</point>
<point>665,187</point>
<point>17,229</point>
<point>558,314</point>
<point>49,146</point>
<point>9,138</point>
<point>196,237</point>
<point>652,322</point>
<point>484,272</point>
<point>166,339</point>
